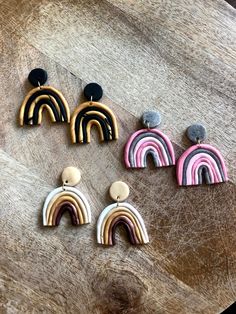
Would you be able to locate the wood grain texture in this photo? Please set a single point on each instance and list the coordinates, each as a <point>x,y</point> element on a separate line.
<point>174,56</point>
<point>232,2</point>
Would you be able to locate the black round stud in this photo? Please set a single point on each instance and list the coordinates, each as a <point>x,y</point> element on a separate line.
<point>38,77</point>
<point>93,91</point>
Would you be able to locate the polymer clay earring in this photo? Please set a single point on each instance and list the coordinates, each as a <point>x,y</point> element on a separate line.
<point>92,113</point>
<point>201,163</point>
<point>40,98</point>
<point>67,198</point>
<point>149,141</point>
<point>120,213</point>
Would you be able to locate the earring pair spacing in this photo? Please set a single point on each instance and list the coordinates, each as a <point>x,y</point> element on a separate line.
<point>67,198</point>
<point>82,119</point>
<point>201,163</point>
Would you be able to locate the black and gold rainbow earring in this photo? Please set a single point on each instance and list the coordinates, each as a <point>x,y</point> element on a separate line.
<point>40,98</point>
<point>92,113</point>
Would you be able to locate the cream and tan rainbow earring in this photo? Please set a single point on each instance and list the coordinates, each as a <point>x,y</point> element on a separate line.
<point>67,198</point>
<point>120,213</point>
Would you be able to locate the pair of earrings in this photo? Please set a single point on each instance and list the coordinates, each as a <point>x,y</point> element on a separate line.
<point>83,118</point>
<point>199,163</point>
<point>68,198</point>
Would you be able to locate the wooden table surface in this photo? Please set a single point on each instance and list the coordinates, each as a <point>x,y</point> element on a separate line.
<point>176,56</point>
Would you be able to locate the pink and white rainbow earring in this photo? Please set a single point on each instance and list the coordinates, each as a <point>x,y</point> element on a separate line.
<point>201,163</point>
<point>149,141</point>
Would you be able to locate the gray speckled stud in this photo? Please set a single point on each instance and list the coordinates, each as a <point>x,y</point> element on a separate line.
<point>151,119</point>
<point>196,133</point>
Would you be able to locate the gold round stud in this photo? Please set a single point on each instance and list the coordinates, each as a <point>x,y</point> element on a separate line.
<point>119,191</point>
<point>71,176</point>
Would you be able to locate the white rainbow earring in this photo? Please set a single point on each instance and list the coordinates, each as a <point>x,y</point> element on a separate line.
<point>120,213</point>
<point>67,198</point>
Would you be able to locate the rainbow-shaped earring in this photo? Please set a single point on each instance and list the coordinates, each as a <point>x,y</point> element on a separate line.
<point>40,98</point>
<point>120,213</point>
<point>149,141</point>
<point>201,163</point>
<point>92,113</point>
<point>67,198</point>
